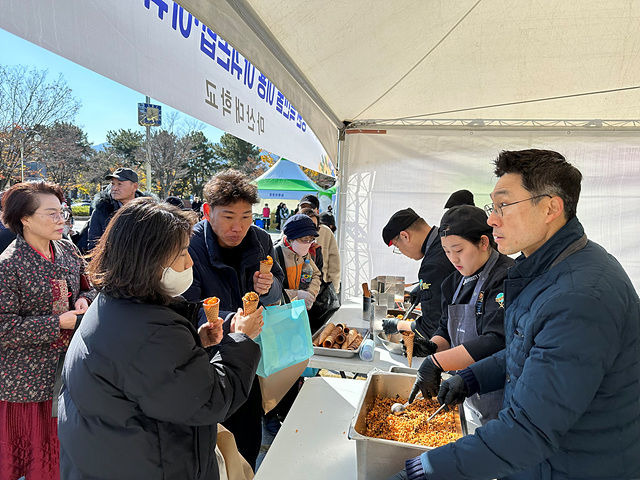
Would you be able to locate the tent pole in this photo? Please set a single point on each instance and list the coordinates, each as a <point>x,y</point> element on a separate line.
<point>341,206</point>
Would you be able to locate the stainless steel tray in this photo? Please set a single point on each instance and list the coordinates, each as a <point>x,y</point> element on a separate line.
<point>338,352</point>
<point>378,458</point>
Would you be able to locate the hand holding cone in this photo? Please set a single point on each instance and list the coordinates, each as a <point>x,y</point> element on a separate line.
<point>250,302</point>
<point>265,265</point>
<point>211,307</point>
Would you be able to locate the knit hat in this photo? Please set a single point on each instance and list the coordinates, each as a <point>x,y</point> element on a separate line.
<point>298,226</point>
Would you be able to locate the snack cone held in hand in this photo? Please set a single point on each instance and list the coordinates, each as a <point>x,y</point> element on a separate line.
<point>265,265</point>
<point>250,302</point>
<point>408,342</point>
<point>211,307</point>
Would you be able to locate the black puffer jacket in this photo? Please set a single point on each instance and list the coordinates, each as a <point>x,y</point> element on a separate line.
<point>141,399</point>
<point>103,210</point>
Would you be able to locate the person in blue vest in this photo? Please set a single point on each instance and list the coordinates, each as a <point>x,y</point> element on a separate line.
<point>571,366</point>
<point>226,249</point>
<point>472,323</point>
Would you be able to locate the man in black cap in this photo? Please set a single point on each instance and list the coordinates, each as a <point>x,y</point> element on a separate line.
<point>124,188</point>
<point>413,237</point>
<point>461,197</point>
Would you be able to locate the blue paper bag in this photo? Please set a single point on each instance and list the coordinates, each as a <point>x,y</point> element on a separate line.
<point>285,338</point>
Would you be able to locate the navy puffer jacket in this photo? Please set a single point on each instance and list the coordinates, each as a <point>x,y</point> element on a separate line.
<point>571,372</point>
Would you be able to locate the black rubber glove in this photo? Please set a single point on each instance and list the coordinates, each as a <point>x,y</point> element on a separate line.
<point>453,390</point>
<point>427,380</point>
<point>390,325</point>
<point>421,347</point>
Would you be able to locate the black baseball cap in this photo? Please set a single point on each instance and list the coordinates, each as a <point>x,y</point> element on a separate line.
<point>399,221</point>
<point>461,197</point>
<point>464,220</point>
<point>311,200</point>
<point>123,174</point>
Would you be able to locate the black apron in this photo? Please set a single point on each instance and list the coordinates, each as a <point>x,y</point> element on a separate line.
<point>462,327</point>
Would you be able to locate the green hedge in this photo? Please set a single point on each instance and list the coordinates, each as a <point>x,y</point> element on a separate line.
<point>80,210</point>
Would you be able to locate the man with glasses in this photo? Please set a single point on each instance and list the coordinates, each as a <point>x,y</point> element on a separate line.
<point>411,236</point>
<point>571,366</point>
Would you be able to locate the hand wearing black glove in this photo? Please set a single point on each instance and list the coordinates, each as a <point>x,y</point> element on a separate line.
<point>453,390</point>
<point>427,380</point>
<point>421,347</point>
<point>390,326</point>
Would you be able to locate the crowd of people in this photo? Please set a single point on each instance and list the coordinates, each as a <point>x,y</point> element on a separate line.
<point>110,368</point>
<point>146,376</point>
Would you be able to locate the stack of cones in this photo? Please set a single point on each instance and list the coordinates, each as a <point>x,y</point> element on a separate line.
<point>265,265</point>
<point>211,307</point>
<point>250,302</point>
<point>408,343</point>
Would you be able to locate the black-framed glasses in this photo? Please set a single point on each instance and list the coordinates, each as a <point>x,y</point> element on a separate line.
<point>491,207</point>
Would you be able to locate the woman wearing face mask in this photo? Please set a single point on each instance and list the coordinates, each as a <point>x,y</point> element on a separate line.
<point>299,232</point>
<point>472,323</point>
<point>141,396</point>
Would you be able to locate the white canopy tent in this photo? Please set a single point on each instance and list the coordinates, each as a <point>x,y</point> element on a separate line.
<point>418,97</point>
<point>414,98</point>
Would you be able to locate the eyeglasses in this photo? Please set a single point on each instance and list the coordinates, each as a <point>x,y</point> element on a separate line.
<point>306,239</point>
<point>497,209</point>
<point>55,216</point>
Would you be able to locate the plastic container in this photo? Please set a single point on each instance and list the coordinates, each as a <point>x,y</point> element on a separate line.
<point>306,275</point>
<point>367,350</point>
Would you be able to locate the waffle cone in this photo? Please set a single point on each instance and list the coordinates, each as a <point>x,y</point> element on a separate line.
<point>325,333</point>
<point>265,265</point>
<point>408,342</point>
<point>211,307</point>
<point>250,303</point>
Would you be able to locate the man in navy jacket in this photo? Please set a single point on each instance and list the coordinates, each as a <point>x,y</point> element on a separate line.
<point>226,249</point>
<point>571,366</point>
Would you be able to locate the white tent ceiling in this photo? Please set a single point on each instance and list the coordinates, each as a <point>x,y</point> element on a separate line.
<point>363,60</point>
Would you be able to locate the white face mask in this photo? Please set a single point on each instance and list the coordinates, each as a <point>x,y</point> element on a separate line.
<point>300,248</point>
<point>176,283</point>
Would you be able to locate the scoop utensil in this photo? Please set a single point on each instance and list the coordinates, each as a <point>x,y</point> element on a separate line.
<point>398,408</point>
<point>424,422</point>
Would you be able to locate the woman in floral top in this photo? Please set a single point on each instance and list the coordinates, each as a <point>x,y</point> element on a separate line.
<point>42,292</point>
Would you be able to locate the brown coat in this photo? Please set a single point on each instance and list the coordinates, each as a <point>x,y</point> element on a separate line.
<point>33,292</point>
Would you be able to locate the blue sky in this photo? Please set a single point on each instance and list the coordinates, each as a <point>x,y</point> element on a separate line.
<point>106,105</point>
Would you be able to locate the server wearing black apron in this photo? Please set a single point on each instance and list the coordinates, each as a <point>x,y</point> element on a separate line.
<point>472,324</point>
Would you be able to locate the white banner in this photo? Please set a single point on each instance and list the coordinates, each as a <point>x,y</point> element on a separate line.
<point>161,50</point>
<point>403,168</point>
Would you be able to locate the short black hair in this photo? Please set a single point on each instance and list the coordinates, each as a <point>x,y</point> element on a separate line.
<point>544,172</point>
<point>229,187</point>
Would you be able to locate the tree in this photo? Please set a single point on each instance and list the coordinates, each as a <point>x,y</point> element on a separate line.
<point>126,145</point>
<point>170,156</point>
<point>233,152</point>
<point>28,102</point>
<point>64,150</point>
<point>202,166</point>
